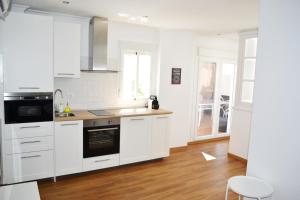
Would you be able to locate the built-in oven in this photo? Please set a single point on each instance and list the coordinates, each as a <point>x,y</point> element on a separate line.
<point>101,137</point>
<point>28,107</point>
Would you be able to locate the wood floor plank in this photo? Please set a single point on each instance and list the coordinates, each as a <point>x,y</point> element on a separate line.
<point>185,175</point>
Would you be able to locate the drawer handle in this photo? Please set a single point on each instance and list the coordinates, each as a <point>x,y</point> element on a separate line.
<point>69,124</point>
<point>137,119</point>
<point>30,142</point>
<point>68,74</point>
<point>96,161</point>
<point>26,88</point>
<point>23,127</point>
<point>26,157</point>
<point>102,129</point>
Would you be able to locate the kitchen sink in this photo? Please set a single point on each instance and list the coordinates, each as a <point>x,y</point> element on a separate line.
<point>64,114</point>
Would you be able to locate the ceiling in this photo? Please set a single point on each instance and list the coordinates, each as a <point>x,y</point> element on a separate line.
<point>203,16</point>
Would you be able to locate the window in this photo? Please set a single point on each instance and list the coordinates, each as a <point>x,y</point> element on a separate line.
<point>136,75</point>
<point>248,69</point>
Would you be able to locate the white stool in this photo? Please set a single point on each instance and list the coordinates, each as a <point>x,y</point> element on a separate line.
<point>249,187</point>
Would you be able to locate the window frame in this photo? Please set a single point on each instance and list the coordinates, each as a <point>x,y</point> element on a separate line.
<point>240,70</point>
<point>139,48</point>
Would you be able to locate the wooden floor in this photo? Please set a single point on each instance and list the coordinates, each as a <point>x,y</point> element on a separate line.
<point>185,175</point>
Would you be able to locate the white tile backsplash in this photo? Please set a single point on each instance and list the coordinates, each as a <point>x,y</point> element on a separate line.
<point>90,91</point>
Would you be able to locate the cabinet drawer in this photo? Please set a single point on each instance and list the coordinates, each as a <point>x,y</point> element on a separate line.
<point>26,145</point>
<point>101,162</point>
<point>27,166</point>
<point>28,130</point>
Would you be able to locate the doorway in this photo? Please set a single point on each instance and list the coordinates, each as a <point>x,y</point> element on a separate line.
<point>215,89</point>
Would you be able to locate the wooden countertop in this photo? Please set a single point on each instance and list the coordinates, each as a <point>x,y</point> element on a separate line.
<point>124,112</point>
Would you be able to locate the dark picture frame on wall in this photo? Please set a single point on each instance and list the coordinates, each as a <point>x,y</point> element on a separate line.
<point>176,76</point>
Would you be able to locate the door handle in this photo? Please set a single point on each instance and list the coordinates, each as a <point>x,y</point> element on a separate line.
<point>30,142</point>
<point>26,88</point>
<point>137,119</point>
<point>23,127</point>
<point>96,161</point>
<point>74,124</point>
<point>67,74</point>
<point>26,157</point>
<point>102,129</point>
<point>162,117</point>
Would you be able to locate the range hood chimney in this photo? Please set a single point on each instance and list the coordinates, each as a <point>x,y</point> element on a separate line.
<point>98,57</point>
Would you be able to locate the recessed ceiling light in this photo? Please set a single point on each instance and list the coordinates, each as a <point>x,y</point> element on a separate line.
<point>144,19</point>
<point>132,18</point>
<point>66,2</point>
<point>123,15</point>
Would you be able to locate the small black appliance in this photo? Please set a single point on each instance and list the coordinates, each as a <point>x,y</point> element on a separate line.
<point>155,104</point>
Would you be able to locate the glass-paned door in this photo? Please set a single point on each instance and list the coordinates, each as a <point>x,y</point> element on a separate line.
<point>215,95</point>
<point>225,93</point>
<point>206,97</point>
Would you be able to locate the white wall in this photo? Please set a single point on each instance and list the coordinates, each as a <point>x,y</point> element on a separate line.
<point>274,144</point>
<point>177,50</point>
<point>240,132</point>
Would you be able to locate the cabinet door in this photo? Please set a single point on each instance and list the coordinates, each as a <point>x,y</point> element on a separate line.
<point>135,144</point>
<point>160,136</point>
<point>28,53</point>
<point>68,147</point>
<point>27,166</point>
<point>66,49</point>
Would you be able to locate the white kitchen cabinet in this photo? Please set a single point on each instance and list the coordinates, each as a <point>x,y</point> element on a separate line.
<point>160,136</point>
<point>68,147</point>
<point>67,45</point>
<point>28,130</point>
<point>28,53</point>
<point>135,143</point>
<point>27,166</point>
<point>101,162</point>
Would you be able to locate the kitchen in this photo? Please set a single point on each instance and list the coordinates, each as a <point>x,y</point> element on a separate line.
<point>72,103</point>
<point>38,143</point>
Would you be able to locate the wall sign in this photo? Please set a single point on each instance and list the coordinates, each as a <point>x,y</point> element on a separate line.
<point>176,75</point>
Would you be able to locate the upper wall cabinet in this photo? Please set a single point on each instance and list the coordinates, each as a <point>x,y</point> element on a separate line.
<point>28,53</point>
<point>67,49</point>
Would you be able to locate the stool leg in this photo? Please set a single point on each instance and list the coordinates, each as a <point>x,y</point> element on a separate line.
<point>239,197</point>
<point>227,188</point>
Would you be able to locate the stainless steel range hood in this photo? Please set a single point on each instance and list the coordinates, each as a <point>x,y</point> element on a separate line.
<point>98,57</point>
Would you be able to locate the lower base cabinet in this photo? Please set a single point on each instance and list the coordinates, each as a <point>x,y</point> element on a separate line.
<point>135,139</point>
<point>144,138</point>
<point>101,162</point>
<point>68,147</point>
<point>160,136</point>
<point>27,166</point>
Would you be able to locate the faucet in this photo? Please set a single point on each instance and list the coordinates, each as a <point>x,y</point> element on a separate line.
<point>57,104</point>
<point>60,91</point>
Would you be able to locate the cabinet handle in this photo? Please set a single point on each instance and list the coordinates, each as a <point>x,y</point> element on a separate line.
<point>96,161</point>
<point>162,117</point>
<point>26,88</point>
<point>67,74</point>
<point>74,124</point>
<point>102,129</point>
<point>23,127</point>
<point>30,142</point>
<point>26,157</point>
<point>137,119</point>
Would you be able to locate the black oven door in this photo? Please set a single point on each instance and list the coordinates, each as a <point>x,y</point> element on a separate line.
<point>27,111</point>
<point>101,140</point>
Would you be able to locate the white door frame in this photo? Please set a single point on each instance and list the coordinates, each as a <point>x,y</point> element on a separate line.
<point>218,57</point>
